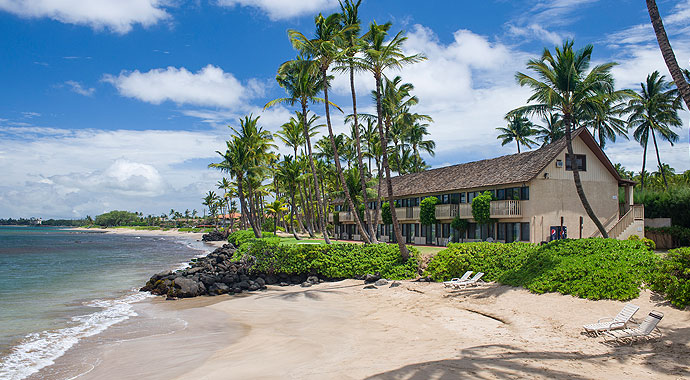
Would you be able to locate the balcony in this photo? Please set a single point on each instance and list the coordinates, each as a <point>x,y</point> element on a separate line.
<point>346,216</point>
<point>447,211</point>
<point>498,210</point>
<point>407,213</point>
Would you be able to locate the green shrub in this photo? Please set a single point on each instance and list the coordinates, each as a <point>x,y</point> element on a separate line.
<point>240,237</point>
<point>672,277</point>
<point>427,211</point>
<point>648,242</point>
<point>673,203</point>
<point>331,261</point>
<point>587,268</point>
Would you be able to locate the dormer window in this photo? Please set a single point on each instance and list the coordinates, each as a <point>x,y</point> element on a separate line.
<point>581,160</point>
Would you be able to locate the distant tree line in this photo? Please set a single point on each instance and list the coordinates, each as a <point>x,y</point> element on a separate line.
<point>49,222</point>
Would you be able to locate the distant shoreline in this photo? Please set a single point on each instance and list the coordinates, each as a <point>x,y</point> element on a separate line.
<point>135,232</point>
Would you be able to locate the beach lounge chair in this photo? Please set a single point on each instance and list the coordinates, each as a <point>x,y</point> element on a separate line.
<point>618,322</point>
<point>646,330</point>
<point>474,281</point>
<point>453,281</point>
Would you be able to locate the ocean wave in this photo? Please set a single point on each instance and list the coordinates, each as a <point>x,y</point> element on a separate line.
<point>39,350</point>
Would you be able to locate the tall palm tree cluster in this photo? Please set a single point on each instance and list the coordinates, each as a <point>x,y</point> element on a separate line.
<point>352,168</point>
<point>567,94</point>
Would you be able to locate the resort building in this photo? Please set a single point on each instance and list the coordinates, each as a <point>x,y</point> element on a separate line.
<point>534,198</point>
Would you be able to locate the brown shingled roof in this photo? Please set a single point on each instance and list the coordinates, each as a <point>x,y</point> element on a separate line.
<point>504,170</point>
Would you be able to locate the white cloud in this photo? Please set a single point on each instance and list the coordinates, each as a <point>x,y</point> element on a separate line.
<point>675,23</point>
<point>58,172</point>
<point>116,15</point>
<point>210,86</point>
<point>284,9</point>
<point>79,89</point>
<point>535,31</point>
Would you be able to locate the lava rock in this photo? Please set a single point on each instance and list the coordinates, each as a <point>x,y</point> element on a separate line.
<point>370,278</point>
<point>187,287</point>
<point>395,285</point>
<point>381,282</point>
<point>370,287</point>
<point>306,284</point>
<point>313,280</point>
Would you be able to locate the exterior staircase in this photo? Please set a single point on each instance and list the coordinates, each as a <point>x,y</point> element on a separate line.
<point>631,223</point>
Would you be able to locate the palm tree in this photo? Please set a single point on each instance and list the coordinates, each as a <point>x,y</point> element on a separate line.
<point>288,174</point>
<point>552,129</point>
<point>275,208</point>
<point>563,85</point>
<point>301,81</point>
<point>604,121</point>
<point>378,56</point>
<point>667,52</point>
<point>324,49</point>
<point>415,136</point>
<point>519,130</point>
<point>654,111</point>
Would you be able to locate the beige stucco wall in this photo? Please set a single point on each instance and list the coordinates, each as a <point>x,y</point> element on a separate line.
<point>554,195</point>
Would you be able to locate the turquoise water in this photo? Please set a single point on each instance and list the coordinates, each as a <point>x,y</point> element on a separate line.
<point>58,286</point>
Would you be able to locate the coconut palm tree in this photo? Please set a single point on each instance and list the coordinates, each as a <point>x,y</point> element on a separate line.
<point>519,130</point>
<point>605,122</point>
<point>379,55</point>
<point>667,52</point>
<point>654,111</point>
<point>301,80</point>
<point>288,174</point>
<point>324,48</point>
<point>209,202</point>
<point>552,129</point>
<point>415,136</point>
<point>275,208</point>
<point>563,84</point>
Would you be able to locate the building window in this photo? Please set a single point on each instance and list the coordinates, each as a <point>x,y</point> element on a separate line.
<point>501,194</point>
<point>471,196</point>
<point>471,230</point>
<point>455,198</point>
<point>524,193</point>
<point>581,160</point>
<point>524,231</point>
<point>463,198</point>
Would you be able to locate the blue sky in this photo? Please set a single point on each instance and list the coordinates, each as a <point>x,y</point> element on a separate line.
<point>120,104</point>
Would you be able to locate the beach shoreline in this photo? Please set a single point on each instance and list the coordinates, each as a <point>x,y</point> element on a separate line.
<point>172,232</point>
<point>340,330</point>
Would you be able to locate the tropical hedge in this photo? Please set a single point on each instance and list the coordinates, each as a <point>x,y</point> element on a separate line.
<point>240,237</point>
<point>673,203</point>
<point>587,268</point>
<point>672,278</point>
<point>335,261</point>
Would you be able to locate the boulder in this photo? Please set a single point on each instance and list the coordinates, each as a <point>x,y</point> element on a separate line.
<point>260,281</point>
<point>271,279</point>
<point>370,287</point>
<point>313,280</point>
<point>243,285</point>
<point>218,288</point>
<point>254,287</point>
<point>381,282</point>
<point>370,278</point>
<point>306,284</point>
<point>186,287</point>
<point>214,235</point>
<point>395,284</point>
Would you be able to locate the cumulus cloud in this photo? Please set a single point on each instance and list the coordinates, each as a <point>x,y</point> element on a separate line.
<point>210,86</point>
<point>284,9</point>
<point>58,172</point>
<point>116,15</point>
<point>80,89</point>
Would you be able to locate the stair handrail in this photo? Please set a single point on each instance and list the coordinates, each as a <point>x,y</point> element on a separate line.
<point>606,225</point>
<point>622,224</point>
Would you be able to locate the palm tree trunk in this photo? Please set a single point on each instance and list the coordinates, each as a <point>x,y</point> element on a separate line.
<point>320,208</point>
<point>667,52</point>
<point>518,144</point>
<point>576,177</point>
<point>336,158</point>
<point>363,182</point>
<point>308,220</point>
<point>389,184</point>
<point>658,160</point>
<point>243,206</point>
<point>644,161</point>
<point>292,213</point>
<point>253,221</point>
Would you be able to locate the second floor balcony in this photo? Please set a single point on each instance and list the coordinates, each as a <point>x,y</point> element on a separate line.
<point>498,210</point>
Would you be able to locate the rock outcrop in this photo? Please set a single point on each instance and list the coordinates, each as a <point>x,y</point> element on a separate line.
<point>217,273</point>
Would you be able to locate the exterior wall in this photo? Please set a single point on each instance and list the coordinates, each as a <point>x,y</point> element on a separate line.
<point>553,196</point>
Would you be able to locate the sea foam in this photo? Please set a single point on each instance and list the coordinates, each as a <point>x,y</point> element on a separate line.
<point>39,350</point>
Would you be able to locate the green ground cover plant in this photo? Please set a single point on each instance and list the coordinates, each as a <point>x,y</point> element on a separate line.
<point>587,268</point>
<point>240,237</point>
<point>672,278</point>
<point>334,261</point>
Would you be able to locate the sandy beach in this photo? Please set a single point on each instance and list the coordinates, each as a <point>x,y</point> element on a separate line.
<point>414,331</point>
<point>172,232</point>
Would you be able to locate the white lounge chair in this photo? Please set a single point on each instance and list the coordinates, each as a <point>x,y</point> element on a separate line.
<point>646,330</point>
<point>618,322</point>
<point>453,281</point>
<point>474,281</point>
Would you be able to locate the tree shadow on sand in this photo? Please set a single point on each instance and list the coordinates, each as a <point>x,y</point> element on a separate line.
<point>310,293</point>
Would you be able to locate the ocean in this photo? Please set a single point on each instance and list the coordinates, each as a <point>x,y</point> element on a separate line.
<point>59,286</point>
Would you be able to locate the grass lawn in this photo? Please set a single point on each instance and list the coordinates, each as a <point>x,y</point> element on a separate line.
<point>423,250</point>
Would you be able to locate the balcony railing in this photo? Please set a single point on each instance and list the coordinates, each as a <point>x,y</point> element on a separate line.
<point>498,209</point>
<point>346,216</point>
<point>407,213</point>
<point>447,211</point>
<point>505,209</point>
